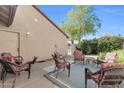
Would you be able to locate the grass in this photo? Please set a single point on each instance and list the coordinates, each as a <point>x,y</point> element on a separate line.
<point>120,54</point>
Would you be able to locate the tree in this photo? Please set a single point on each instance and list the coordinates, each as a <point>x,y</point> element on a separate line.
<point>81,21</point>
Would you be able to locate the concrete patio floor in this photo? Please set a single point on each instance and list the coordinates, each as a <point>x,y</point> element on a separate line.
<point>37,79</point>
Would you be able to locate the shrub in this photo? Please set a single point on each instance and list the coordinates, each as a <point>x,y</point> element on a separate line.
<point>110,43</point>
<point>102,55</point>
<point>85,46</point>
<point>103,44</point>
<point>94,46</point>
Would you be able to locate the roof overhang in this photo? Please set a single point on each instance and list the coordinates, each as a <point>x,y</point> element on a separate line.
<point>7,13</point>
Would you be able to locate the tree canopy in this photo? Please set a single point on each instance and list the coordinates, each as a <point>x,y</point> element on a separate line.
<point>81,21</point>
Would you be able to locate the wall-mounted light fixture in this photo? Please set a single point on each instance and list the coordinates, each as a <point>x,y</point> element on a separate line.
<point>28,34</point>
<point>36,20</point>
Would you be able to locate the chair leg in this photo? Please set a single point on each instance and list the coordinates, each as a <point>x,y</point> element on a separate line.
<point>74,61</point>
<point>118,86</point>
<point>13,85</point>
<point>2,77</point>
<point>85,78</point>
<point>97,63</point>
<point>29,71</point>
<point>57,73</point>
<point>69,70</point>
<point>98,85</point>
<point>87,61</point>
<point>3,81</point>
<point>5,74</point>
<point>83,61</point>
<point>55,67</point>
<point>64,69</point>
<point>18,73</point>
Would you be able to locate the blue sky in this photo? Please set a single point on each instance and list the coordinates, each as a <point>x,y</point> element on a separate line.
<point>112,17</point>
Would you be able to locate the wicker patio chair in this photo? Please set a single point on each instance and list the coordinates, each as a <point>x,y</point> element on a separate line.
<point>8,56</point>
<point>12,68</point>
<point>61,64</point>
<point>78,55</point>
<point>109,58</point>
<point>59,55</point>
<point>109,77</point>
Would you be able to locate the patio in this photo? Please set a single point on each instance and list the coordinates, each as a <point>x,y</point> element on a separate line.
<point>43,76</point>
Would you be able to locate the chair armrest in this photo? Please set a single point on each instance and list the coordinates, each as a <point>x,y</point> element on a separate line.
<point>21,65</point>
<point>33,61</point>
<point>100,61</point>
<point>29,62</point>
<point>62,57</point>
<point>68,62</point>
<point>88,71</point>
<point>14,64</point>
<point>111,68</point>
<point>19,57</point>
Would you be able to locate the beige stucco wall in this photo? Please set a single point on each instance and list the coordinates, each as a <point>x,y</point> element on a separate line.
<point>43,35</point>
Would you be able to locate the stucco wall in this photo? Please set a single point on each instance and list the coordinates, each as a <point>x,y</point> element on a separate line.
<point>43,35</point>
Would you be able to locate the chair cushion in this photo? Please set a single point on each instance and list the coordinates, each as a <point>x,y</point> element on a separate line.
<point>110,57</point>
<point>96,77</point>
<point>78,55</point>
<point>19,69</point>
<point>8,57</point>
<point>109,65</point>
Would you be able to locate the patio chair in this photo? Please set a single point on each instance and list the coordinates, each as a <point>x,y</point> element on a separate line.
<point>59,55</point>
<point>78,56</point>
<point>61,64</point>
<point>109,58</point>
<point>109,77</point>
<point>14,69</point>
<point>8,56</point>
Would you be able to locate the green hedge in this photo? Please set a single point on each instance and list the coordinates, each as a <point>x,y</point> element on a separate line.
<point>103,44</point>
<point>89,46</point>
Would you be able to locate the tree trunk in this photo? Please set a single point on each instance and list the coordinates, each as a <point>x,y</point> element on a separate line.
<point>79,36</point>
<point>79,40</point>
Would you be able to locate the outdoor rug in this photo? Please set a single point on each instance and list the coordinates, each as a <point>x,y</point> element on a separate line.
<point>76,79</point>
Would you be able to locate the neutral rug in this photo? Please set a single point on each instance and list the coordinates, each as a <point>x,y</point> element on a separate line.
<point>76,79</point>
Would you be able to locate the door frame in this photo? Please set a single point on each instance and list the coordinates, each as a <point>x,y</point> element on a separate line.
<point>18,36</point>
